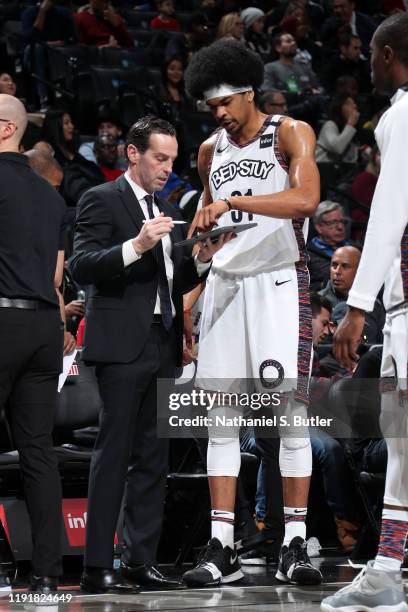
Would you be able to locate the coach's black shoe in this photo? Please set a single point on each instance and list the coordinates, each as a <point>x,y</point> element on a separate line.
<point>295,566</point>
<point>148,577</point>
<point>216,565</point>
<point>266,553</point>
<point>45,585</point>
<point>101,580</point>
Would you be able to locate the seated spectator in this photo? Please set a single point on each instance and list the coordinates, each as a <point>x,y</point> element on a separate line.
<point>330,224</point>
<point>230,26</point>
<point>328,452</point>
<point>171,93</point>
<point>297,22</point>
<point>60,133</point>
<point>255,37</point>
<point>273,103</point>
<point>165,20</point>
<point>98,24</point>
<point>183,45</point>
<point>348,62</point>
<point>346,18</point>
<point>32,131</point>
<point>107,124</point>
<point>106,152</point>
<point>336,140</point>
<point>7,84</point>
<point>47,22</point>
<point>287,74</point>
<point>363,187</point>
<point>343,268</point>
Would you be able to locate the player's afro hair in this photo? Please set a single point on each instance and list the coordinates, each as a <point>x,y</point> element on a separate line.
<point>225,61</point>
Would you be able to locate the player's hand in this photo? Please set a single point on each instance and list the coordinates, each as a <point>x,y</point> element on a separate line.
<point>207,217</point>
<point>151,232</point>
<point>208,248</point>
<point>69,343</point>
<point>348,337</point>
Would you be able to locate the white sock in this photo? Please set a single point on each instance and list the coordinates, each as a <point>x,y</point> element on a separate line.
<point>222,527</point>
<point>295,524</point>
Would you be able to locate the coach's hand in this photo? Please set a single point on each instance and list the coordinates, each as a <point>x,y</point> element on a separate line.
<point>151,232</point>
<point>69,343</point>
<point>207,217</point>
<point>348,337</point>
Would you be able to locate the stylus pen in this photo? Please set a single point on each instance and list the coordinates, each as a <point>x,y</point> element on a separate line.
<point>175,222</point>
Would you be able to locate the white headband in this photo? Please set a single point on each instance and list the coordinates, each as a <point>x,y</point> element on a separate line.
<point>224,90</point>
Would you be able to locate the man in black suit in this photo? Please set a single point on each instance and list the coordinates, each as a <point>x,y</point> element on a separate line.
<point>123,249</point>
<point>346,19</point>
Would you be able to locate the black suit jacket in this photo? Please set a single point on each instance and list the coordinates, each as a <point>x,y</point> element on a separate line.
<point>120,301</point>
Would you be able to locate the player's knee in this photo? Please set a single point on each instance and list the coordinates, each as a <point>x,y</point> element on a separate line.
<point>223,457</point>
<point>295,457</point>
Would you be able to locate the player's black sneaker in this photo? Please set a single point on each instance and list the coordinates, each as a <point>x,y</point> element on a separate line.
<point>295,566</point>
<point>216,565</point>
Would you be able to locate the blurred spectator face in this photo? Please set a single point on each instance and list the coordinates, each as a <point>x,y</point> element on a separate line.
<point>276,104</point>
<point>108,127</point>
<point>98,6</point>
<point>175,72</point>
<point>321,326</point>
<point>231,112</point>
<point>343,268</point>
<point>287,46</point>
<point>258,25</point>
<point>237,28</point>
<point>152,168</point>
<point>106,150</point>
<point>343,10</point>
<point>166,7</point>
<point>67,127</point>
<point>352,52</point>
<point>348,107</point>
<point>332,227</point>
<point>347,85</point>
<point>7,85</point>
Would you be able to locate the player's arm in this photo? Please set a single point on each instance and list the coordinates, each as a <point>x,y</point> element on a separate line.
<point>297,144</point>
<point>386,226</point>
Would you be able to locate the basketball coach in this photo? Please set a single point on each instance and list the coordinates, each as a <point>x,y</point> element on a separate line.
<point>124,251</point>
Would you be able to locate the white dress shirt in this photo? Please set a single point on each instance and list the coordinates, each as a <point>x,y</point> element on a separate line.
<point>129,254</point>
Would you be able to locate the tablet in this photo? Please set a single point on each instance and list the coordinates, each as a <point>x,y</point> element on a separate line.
<point>215,233</point>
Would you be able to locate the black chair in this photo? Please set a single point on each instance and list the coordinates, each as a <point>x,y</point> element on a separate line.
<point>124,58</point>
<point>139,19</point>
<point>66,63</point>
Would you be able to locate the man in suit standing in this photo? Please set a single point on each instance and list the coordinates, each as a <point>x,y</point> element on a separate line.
<point>123,249</point>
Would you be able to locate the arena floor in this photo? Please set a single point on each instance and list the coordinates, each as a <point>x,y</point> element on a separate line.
<point>258,591</point>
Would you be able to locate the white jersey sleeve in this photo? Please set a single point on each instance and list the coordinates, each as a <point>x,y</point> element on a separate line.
<point>389,211</point>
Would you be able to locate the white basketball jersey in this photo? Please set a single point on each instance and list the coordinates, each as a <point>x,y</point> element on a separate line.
<point>256,168</point>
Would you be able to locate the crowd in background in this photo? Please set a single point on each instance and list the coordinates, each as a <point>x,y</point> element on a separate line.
<point>317,68</point>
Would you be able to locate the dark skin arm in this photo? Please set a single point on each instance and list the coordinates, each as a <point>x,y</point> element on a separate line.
<point>297,145</point>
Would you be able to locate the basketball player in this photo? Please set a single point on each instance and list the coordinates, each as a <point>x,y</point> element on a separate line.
<point>385,259</point>
<point>256,318</point>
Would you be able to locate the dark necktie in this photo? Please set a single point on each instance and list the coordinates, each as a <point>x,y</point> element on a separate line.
<point>164,292</point>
